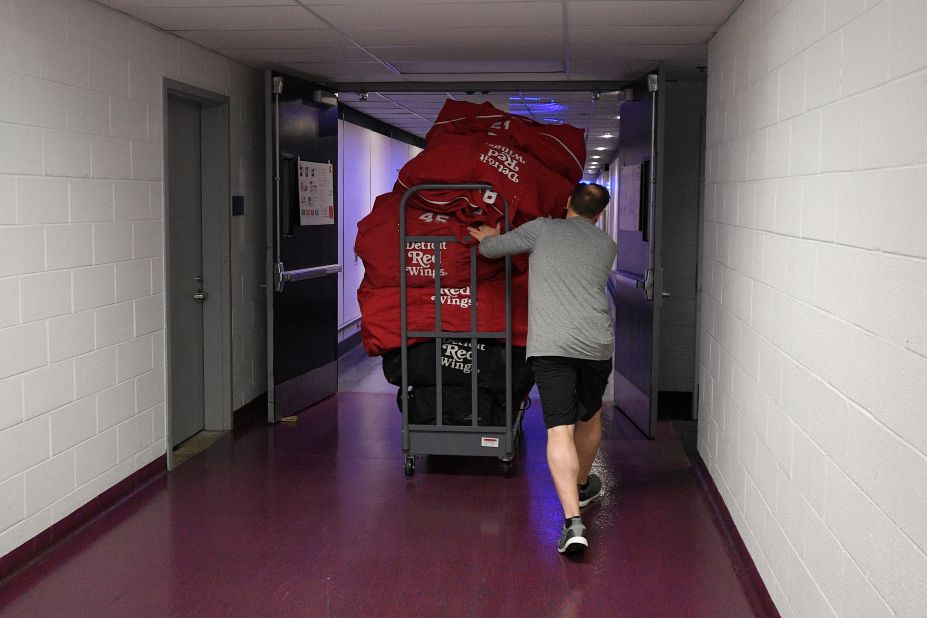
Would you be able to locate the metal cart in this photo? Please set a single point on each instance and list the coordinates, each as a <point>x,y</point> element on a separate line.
<point>440,438</point>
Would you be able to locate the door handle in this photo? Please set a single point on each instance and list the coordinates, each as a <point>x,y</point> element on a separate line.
<point>200,295</point>
<point>665,294</point>
<point>282,276</point>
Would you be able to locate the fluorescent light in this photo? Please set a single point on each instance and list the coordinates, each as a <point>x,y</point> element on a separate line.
<point>607,136</point>
<point>596,156</point>
<point>600,147</point>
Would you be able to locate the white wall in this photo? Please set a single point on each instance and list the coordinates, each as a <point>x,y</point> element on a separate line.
<point>813,367</point>
<point>82,385</point>
<point>369,166</point>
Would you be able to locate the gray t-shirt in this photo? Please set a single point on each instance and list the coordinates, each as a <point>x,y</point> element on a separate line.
<point>569,267</point>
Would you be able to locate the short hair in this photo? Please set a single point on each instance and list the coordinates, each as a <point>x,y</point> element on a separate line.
<point>589,199</point>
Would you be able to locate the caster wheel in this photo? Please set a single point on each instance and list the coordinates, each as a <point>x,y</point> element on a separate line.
<point>506,468</point>
<point>410,466</point>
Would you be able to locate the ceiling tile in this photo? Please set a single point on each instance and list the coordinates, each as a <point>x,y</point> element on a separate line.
<point>602,36</point>
<point>466,50</point>
<point>137,4</point>
<point>650,12</point>
<point>256,39</point>
<point>229,18</point>
<point>281,56</point>
<point>343,71</point>
<point>415,17</point>
<point>465,67</point>
<point>641,52</point>
<point>539,36</point>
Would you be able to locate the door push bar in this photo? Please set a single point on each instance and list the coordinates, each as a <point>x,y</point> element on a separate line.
<point>645,283</point>
<point>281,275</point>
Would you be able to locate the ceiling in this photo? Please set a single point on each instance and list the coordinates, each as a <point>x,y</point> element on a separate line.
<point>553,49</point>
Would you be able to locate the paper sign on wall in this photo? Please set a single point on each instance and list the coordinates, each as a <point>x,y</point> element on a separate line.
<point>316,194</point>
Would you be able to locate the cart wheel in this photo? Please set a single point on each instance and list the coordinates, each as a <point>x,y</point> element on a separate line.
<point>410,466</point>
<point>506,467</point>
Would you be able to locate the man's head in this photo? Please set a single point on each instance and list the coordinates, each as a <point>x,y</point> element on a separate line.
<point>588,200</point>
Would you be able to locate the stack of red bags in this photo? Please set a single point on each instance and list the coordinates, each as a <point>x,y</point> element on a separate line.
<point>531,165</point>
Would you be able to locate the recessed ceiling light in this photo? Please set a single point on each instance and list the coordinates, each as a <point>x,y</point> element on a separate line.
<point>607,136</point>
<point>596,156</point>
<point>600,147</point>
<point>617,117</point>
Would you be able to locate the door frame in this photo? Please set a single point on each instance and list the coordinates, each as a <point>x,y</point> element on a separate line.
<point>217,316</point>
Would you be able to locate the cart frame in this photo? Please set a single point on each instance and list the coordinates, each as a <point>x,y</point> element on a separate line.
<point>441,439</point>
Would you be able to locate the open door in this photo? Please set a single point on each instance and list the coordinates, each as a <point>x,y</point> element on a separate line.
<point>637,280</point>
<point>302,291</point>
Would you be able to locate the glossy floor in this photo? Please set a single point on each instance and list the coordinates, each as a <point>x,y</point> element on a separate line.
<point>317,519</point>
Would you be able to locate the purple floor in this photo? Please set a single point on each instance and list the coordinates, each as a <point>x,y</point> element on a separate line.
<point>317,519</point>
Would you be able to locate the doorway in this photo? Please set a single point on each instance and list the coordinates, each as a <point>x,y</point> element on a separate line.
<point>197,284</point>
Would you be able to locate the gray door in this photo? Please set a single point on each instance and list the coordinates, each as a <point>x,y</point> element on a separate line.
<point>635,282</point>
<point>302,309</point>
<point>185,269</point>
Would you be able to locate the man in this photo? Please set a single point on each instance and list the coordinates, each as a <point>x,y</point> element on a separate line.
<point>569,340</point>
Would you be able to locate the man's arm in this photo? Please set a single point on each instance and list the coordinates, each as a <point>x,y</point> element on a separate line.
<point>496,245</point>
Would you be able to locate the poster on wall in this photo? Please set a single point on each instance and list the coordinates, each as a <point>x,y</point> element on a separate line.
<point>629,198</point>
<point>316,194</point>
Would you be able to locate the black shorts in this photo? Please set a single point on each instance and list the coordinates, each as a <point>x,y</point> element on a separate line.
<point>571,388</point>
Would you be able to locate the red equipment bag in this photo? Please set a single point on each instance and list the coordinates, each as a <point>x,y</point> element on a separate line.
<point>377,245</point>
<point>562,148</point>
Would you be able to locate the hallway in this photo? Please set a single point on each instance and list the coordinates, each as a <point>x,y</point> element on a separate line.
<point>316,519</point>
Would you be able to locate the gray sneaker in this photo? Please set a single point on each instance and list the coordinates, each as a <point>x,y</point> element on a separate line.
<point>573,540</point>
<point>591,491</point>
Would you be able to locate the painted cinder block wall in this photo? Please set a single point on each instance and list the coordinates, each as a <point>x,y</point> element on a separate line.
<point>82,382</point>
<point>813,341</point>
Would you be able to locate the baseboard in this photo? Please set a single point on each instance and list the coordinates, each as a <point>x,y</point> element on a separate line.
<point>58,532</point>
<point>348,344</point>
<point>744,566</point>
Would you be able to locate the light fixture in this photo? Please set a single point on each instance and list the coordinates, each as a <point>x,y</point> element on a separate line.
<point>596,156</point>
<point>607,136</point>
<point>600,147</point>
<point>618,117</point>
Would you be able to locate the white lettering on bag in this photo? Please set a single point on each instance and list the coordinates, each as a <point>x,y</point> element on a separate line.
<point>459,297</point>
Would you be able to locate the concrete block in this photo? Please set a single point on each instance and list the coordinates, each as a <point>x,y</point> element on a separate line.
<point>129,118</point>
<point>12,502</point>
<point>151,387</point>
<point>91,201</point>
<point>822,83</point>
<point>23,446</point>
<point>41,200</point>
<point>48,388</point>
<point>133,358</point>
<point>134,435</point>
<point>93,287</point>
<point>67,154</point>
<point>22,250</point>
<point>95,372</point>
<point>88,111</point>
<point>49,481</point>
<point>908,45</point>
<point>70,335</point>
<point>11,401</point>
<point>133,279</point>
<point>146,160</point>
<point>819,208</point>
<point>866,51</point>
<point>779,150</point>
<point>95,456</point>
<point>68,246</point>
<point>148,239</point>
<point>45,295</point>
<point>65,61</point>
<point>72,424</point>
<point>149,314</point>
<point>792,87</point>
<point>111,158</point>
<point>112,242</point>
<point>20,150</point>
<point>839,13</point>
<point>805,149</point>
<point>114,324</point>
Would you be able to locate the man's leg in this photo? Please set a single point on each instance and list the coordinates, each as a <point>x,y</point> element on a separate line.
<point>587,437</point>
<point>564,467</point>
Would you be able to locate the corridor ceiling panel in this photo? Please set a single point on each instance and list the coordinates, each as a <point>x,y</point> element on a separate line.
<point>392,42</point>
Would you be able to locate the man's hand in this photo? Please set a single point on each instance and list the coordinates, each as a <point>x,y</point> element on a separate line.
<point>484,231</point>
